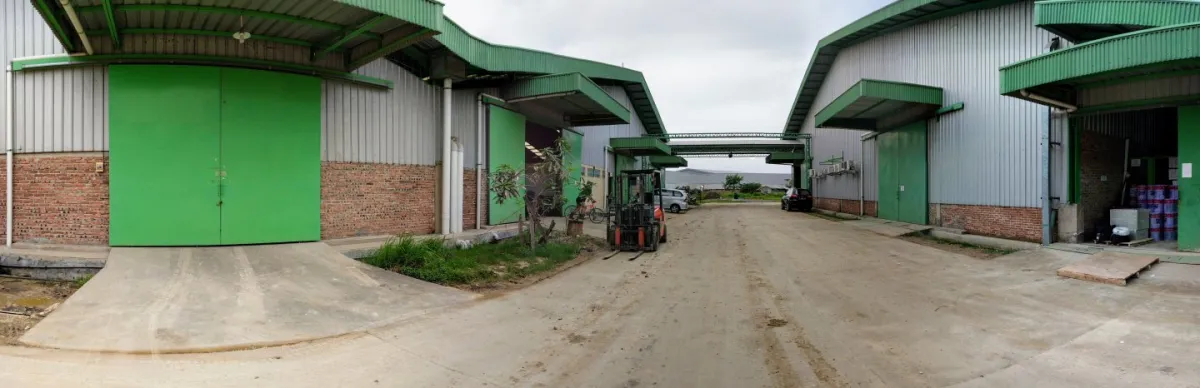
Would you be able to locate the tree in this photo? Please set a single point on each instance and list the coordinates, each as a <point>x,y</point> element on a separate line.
<point>752,187</point>
<point>543,189</point>
<point>732,181</point>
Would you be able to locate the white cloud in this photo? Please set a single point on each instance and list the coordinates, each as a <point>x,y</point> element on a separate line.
<point>713,65</point>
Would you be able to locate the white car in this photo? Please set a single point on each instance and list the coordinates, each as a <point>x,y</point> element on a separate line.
<point>674,201</point>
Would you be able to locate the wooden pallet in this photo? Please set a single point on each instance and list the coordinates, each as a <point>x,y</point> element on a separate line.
<point>1137,243</point>
<point>1108,267</point>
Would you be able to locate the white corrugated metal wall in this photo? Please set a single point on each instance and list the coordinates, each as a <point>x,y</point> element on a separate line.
<point>596,138</point>
<point>372,125</point>
<point>61,110</point>
<point>985,154</point>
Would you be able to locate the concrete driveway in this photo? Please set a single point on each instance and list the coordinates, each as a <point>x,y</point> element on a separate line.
<point>743,296</point>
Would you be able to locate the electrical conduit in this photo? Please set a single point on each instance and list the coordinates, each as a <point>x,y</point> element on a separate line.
<point>447,104</point>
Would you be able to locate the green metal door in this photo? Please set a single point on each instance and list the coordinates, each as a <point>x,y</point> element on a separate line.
<point>903,177</point>
<point>164,142</point>
<point>574,164</point>
<point>913,174</point>
<point>888,206</point>
<point>506,146</point>
<point>271,154</point>
<point>1189,187</point>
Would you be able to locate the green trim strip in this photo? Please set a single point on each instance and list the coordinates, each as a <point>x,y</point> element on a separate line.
<point>949,108</point>
<point>881,90</point>
<point>898,14</point>
<point>390,48</point>
<point>181,31</point>
<point>223,10</point>
<point>639,146</point>
<point>111,21</point>
<point>785,158</point>
<point>55,25</point>
<point>348,35</point>
<point>567,83</point>
<point>1150,47</point>
<point>1064,17</point>
<point>95,60</point>
<point>508,59</point>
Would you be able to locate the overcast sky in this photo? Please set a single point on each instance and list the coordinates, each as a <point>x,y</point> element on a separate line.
<point>713,65</point>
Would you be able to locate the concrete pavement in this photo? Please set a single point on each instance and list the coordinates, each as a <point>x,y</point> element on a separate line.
<point>172,300</point>
<point>744,296</point>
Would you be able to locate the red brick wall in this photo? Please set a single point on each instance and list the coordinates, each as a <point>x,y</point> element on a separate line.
<point>848,206</point>
<point>469,195</point>
<point>1017,223</point>
<point>58,199</point>
<point>363,199</point>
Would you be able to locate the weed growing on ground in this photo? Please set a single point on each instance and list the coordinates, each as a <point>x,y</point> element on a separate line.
<point>431,260</point>
<point>81,281</point>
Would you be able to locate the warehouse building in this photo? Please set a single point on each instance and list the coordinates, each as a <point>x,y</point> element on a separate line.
<point>969,114</point>
<point>181,123</point>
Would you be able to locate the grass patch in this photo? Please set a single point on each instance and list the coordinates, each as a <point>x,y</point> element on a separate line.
<point>507,260</point>
<point>81,281</point>
<point>968,249</point>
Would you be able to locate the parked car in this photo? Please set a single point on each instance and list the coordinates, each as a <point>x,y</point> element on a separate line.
<point>797,199</point>
<point>675,201</point>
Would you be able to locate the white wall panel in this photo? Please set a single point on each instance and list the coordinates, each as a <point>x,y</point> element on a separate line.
<point>595,138</point>
<point>366,124</point>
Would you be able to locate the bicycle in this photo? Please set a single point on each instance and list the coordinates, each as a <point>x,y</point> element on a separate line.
<point>599,216</point>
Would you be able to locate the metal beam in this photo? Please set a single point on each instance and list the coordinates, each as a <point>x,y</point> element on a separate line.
<point>725,135</point>
<point>181,31</point>
<point>223,10</point>
<point>36,63</point>
<point>56,25</point>
<point>388,48</point>
<point>111,20</point>
<point>347,35</point>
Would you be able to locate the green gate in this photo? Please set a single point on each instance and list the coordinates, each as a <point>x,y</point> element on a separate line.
<point>1189,187</point>
<point>506,146</point>
<point>903,177</point>
<point>213,156</point>
<point>574,163</point>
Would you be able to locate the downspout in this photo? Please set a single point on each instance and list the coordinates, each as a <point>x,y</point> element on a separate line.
<point>481,114</point>
<point>862,192</point>
<point>8,157</point>
<point>87,44</point>
<point>447,101</point>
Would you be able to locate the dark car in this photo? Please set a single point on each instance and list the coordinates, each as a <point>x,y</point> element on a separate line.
<point>797,199</point>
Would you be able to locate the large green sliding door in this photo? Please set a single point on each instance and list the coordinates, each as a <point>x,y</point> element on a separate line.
<point>903,174</point>
<point>213,156</point>
<point>271,152</point>
<point>506,146</point>
<point>574,163</point>
<point>1189,186</point>
<point>164,137</point>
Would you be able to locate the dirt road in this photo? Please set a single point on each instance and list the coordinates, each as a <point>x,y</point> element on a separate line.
<point>742,296</point>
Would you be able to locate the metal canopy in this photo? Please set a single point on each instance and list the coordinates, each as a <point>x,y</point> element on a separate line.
<point>735,147</point>
<point>333,34</point>
<point>639,146</point>
<point>785,158</point>
<point>1087,20</point>
<point>576,97</point>
<point>668,161</point>
<point>474,62</point>
<point>880,105</point>
<point>1147,54</point>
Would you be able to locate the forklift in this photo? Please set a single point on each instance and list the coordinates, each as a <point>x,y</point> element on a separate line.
<point>638,223</point>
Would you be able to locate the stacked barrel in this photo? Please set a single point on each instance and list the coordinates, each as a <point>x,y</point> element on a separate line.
<point>1162,202</point>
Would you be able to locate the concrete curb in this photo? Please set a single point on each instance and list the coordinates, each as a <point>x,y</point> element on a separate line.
<point>984,241</point>
<point>48,267</point>
<point>480,237</point>
<point>844,216</point>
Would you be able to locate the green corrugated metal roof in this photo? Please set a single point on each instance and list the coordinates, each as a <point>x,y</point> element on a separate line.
<point>668,161</point>
<point>875,105</point>
<point>588,104</point>
<point>1083,20</point>
<point>896,15</point>
<point>424,13</point>
<point>785,157</point>
<point>639,146</point>
<point>500,58</point>
<point>1154,50</point>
